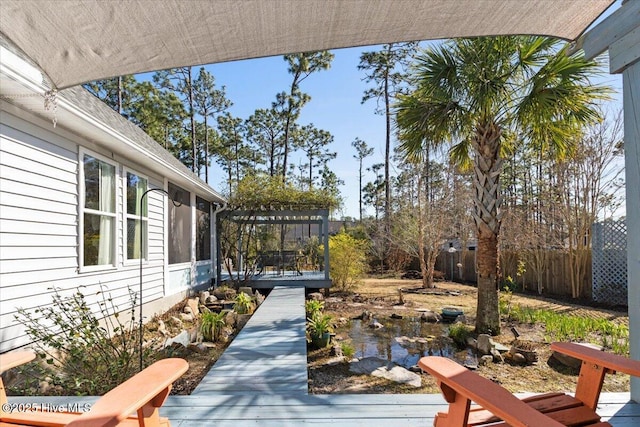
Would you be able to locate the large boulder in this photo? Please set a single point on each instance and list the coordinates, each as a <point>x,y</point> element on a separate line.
<point>384,369</point>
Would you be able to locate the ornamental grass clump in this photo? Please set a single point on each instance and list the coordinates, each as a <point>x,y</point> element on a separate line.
<point>211,325</point>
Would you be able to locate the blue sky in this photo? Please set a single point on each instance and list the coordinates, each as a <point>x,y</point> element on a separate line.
<point>335,106</point>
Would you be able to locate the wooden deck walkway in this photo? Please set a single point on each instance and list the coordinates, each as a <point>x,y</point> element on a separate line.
<point>269,355</point>
<point>261,380</point>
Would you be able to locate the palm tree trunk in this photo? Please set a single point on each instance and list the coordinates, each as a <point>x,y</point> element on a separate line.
<point>487,200</point>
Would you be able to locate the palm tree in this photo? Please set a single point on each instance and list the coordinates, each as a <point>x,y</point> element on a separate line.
<point>485,94</point>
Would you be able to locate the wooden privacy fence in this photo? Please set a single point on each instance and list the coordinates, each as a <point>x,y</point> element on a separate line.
<point>556,278</point>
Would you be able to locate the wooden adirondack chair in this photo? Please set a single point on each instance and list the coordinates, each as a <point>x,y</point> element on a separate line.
<point>142,394</point>
<point>494,403</point>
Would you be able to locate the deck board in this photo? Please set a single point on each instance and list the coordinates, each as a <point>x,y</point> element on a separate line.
<point>269,355</point>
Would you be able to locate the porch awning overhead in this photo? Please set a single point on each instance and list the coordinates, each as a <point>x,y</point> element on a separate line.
<point>74,41</point>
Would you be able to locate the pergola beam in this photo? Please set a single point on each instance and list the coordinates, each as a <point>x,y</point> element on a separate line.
<point>277,221</point>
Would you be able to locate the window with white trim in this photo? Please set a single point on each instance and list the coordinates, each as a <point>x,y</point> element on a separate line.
<point>98,212</point>
<point>137,217</point>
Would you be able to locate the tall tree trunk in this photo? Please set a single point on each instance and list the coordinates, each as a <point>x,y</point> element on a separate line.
<point>192,119</point>
<point>206,150</point>
<point>387,157</point>
<point>120,95</point>
<point>360,188</point>
<point>487,200</point>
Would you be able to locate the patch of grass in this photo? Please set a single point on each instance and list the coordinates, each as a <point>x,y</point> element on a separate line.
<point>348,350</point>
<point>560,327</point>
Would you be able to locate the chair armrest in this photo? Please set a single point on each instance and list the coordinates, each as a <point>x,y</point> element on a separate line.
<point>151,386</point>
<point>610,361</point>
<point>499,401</point>
<point>16,358</point>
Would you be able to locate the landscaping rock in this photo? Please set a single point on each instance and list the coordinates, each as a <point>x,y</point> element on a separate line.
<point>182,339</point>
<point>186,317</point>
<point>430,317</point>
<point>519,358</point>
<point>572,362</point>
<point>258,297</point>
<point>486,359</point>
<point>224,293</point>
<point>44,387</point>
<point>500,347</point>
<point>187,310</point>
<point>396,316</point>
<point>204,295</point>
<point>376,325</point>
<point>461,319</point>
<point>193,304</point>
<point>315,296</point>
<point>497,357</point>
<point>245,289</point>
<point>210,299</point>
<point>366,315</point>
<point>162,328</point>
<point>472,343</point>
<point>384,369</point>
<point>336,351</point>
<point>176,322</point>
<point>484,344</point>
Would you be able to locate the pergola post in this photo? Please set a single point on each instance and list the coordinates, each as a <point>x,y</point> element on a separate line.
<point>325,242</point>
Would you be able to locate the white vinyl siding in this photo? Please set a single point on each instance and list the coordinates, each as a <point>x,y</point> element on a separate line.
<point>40,227</point>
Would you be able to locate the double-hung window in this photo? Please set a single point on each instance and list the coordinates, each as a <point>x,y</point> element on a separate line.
<point>137,218</point>
<point>99,212</point>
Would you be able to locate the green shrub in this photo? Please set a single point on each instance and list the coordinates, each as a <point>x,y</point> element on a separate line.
<point>459,332</point>
<point>211,325</point>
<point>83,356</point>
<point>243,304</point>
<point>311,307</point>
<point>348,261</point>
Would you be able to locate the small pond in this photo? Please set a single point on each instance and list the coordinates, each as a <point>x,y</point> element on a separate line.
<point>403,341</point>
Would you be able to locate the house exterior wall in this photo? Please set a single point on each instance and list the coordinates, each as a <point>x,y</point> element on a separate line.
<point>40,228</point>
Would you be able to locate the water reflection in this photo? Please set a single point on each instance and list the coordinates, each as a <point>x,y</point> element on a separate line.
<point>404,341</point>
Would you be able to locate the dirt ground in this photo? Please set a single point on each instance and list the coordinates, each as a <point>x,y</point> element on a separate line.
<point>381,297</point>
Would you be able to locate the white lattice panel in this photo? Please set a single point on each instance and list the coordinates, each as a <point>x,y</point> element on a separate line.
<point>609,262</point>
